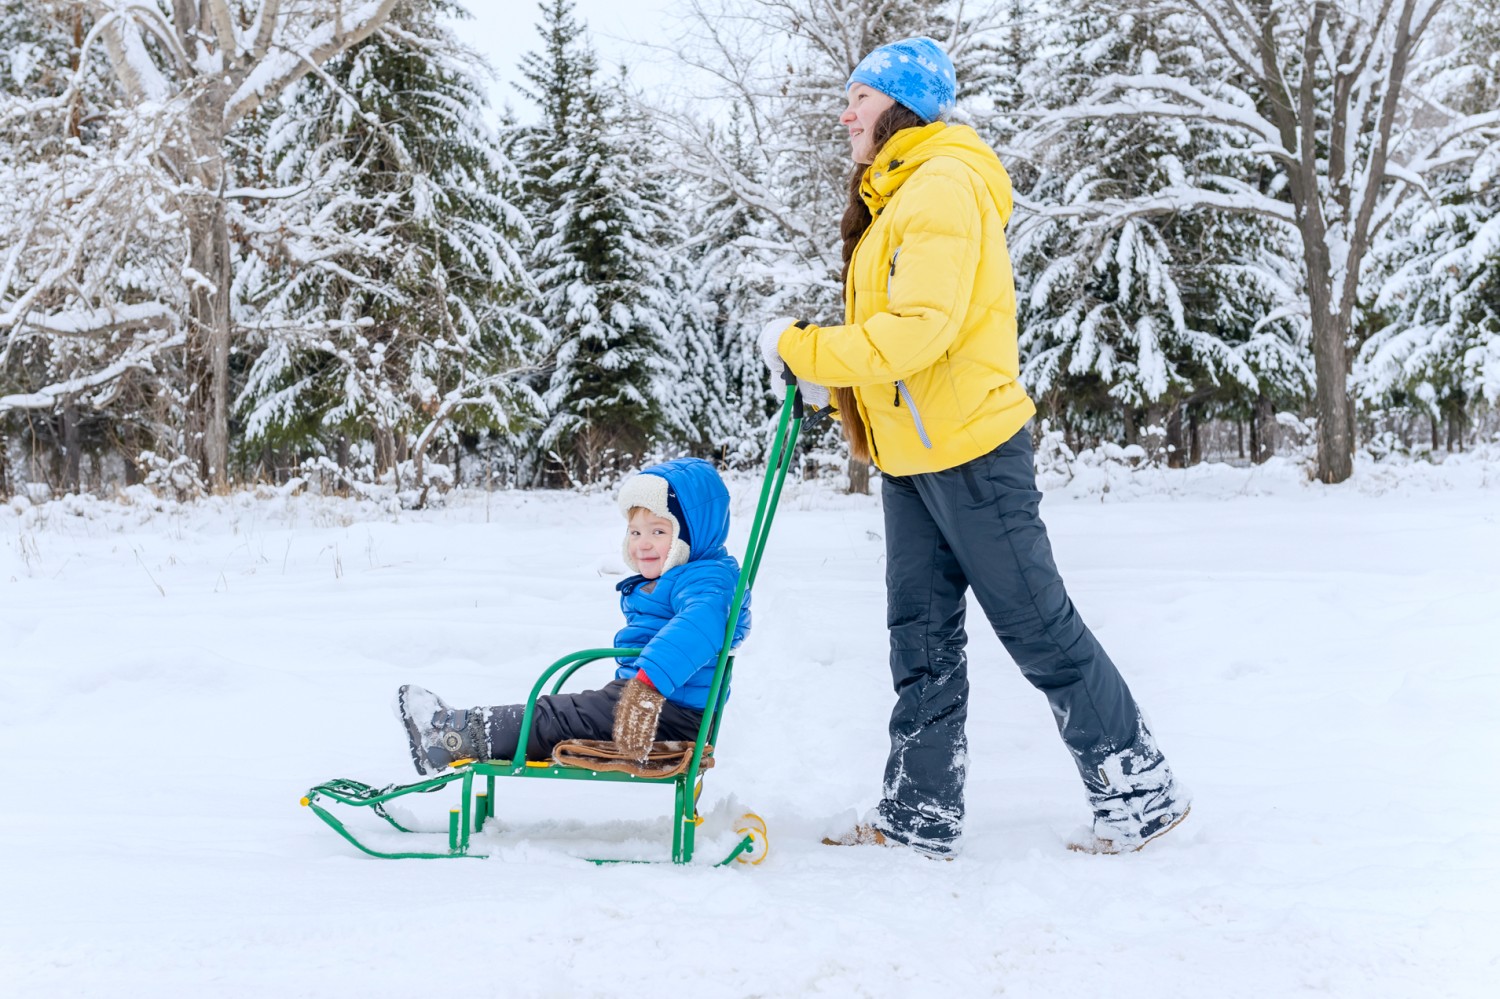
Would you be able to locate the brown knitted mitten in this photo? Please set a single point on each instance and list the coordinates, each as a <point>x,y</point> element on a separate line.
<point>635,719</point>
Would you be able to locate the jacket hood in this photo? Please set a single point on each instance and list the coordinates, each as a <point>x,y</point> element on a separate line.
<point>689,493</point>
<point>909,148</point>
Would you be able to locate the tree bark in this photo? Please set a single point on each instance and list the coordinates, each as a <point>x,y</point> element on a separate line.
<point>71,447</point>
<point>1195,438</point>
<point>859,476</point>
<point>1175,453</point>
<point>209,341</point>
<point>1262,430</point>
<point>1331,396</point>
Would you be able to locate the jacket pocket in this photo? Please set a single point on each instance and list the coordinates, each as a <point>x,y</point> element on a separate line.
<point>902,392</point>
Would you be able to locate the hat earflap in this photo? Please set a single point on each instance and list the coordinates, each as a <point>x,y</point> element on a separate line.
<point>653,493</point>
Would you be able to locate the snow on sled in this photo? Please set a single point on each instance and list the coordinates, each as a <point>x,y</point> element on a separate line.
<point>678,764</point>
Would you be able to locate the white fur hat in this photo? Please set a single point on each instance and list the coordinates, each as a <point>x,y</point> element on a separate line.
<point>654,493</point>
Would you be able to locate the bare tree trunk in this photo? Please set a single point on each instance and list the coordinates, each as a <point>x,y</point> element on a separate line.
<point>1262,430</point>
<point>1174,437</point>
<point>209,341</point>
<point>70,445</point>
<point>859,476</point>
<point>1331,398</point>
<point>1195,438</point>
<point>385,450</point>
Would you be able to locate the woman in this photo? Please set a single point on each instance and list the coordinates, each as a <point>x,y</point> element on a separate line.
<point>924,377</point>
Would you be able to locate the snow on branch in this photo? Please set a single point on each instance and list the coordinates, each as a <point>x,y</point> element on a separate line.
<point>128,56</point>
<point>1170,201</point>
<point>287,60</point>
<point>112,319</point>
<point>140,357</point>
<point>1194,105</point>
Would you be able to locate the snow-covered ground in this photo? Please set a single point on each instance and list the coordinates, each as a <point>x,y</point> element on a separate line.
<point>1320,664</point>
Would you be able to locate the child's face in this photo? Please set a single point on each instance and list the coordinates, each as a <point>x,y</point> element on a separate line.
<point>648,537</point>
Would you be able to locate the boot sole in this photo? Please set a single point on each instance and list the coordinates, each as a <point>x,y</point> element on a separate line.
<point>878,838</point>
<point>413,734</point>
<point>1107,847</point>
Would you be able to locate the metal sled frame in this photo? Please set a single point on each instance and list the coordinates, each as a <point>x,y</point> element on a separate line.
<point>475,808</point>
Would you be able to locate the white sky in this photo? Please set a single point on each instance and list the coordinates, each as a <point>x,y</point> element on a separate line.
<point>621,30</point>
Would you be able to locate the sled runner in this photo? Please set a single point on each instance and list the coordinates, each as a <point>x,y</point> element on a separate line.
<point>679,764</point>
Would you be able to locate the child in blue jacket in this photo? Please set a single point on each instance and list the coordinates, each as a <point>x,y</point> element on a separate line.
<point>676,607</point>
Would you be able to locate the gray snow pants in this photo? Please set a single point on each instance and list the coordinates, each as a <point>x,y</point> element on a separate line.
<point>977,527</point>
<point>588,714</point>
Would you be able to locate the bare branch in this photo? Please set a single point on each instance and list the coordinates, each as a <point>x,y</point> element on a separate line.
<point>223,22</point>
<point>140,358</point>
<point>288,61</point>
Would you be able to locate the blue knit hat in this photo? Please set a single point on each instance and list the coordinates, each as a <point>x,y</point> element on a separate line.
<point>915,72</point>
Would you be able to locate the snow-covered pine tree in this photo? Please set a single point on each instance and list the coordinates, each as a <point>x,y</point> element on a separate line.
<point>1434,296</point>
<point>1150,316</point>
<point>691,383</point>
<point>1336,96</point>
<point>727,286</point>
<point>601,262</point>
<point>386,288</point>
<point>90,256</point>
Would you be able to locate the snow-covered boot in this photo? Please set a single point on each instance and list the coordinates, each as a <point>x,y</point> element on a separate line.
<point>859,835</point>
<point>1135,799</point>
<point>867,833</point>
<point>438,734</point>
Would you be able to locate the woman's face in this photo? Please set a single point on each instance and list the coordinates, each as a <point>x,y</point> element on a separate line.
<point>865,105</point>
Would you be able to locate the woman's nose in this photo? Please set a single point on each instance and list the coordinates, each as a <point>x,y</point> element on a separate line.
<point>847,116</point>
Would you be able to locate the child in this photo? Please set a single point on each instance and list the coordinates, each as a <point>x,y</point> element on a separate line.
<point>676,607</point>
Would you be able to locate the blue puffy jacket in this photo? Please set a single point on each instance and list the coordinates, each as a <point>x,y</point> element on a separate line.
<point>679,625</point>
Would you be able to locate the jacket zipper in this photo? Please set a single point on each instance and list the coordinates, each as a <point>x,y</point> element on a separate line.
<point>901,389</point>
<point>902,392</point>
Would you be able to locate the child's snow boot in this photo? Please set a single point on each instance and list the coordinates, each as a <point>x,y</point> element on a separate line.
<point>438,734</point>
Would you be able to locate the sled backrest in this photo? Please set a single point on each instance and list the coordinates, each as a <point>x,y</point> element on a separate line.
<point>779,460</point>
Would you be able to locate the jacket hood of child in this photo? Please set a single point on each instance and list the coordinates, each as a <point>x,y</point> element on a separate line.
<point>679,623</point>
<point>689,493</point>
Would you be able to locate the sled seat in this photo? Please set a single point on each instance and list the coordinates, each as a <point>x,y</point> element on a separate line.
<point>665,759</point>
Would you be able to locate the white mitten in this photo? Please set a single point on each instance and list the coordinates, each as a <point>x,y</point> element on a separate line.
<point>813,394</point>
<point>770,335</point>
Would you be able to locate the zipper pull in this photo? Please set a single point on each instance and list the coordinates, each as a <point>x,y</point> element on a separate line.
<point>897,387</point>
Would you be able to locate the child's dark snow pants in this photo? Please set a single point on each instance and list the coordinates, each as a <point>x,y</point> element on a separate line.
<point>588,714</point>
<point>977,527</point>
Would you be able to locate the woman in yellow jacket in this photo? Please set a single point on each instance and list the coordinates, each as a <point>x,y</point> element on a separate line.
<point>924,373</point>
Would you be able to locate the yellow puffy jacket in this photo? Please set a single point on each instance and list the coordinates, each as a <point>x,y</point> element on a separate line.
<point>929,344</point>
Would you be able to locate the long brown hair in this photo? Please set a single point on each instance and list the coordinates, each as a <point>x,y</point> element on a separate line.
<point>856,220</point>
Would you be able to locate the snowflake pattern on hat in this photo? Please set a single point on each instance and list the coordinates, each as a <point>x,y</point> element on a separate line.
<point>915,72</point>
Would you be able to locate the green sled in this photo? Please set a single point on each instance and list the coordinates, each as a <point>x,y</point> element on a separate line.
<point>474,808</point>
